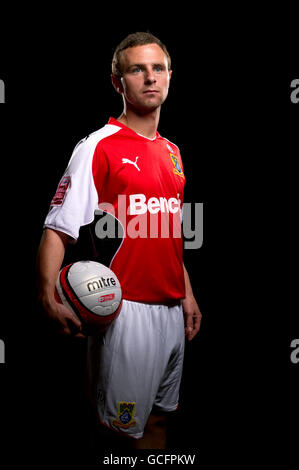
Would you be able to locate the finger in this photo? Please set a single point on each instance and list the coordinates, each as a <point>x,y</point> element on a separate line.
<point>74,327</point>
<point>188,322</point>
<point>76,322</point>
<point>188,330</point>
<point>68,326</point>
<point>80,335</point>
<point>72,319</point>
<point>196,326</point>
<point>197,322</point>
<point>191,334</point>
<point>69,330</point>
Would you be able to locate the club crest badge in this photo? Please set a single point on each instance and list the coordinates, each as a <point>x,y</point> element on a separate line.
<point>176,166</point>
<point>126,412</point>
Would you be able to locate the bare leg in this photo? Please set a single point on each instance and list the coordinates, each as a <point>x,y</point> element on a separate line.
<point>154,436</point>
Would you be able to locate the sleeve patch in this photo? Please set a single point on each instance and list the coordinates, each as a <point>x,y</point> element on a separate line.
<point>61,191</point>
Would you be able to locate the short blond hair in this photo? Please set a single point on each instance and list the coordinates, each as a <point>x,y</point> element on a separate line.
<point>133,40</point>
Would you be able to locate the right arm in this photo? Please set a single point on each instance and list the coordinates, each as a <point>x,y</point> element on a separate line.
<point>49,259</point>
<point>72,207</point>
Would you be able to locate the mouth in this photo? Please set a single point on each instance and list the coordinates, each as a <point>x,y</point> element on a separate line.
<point>150,91</point>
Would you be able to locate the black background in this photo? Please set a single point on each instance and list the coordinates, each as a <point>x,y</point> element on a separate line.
<point>229,111</point>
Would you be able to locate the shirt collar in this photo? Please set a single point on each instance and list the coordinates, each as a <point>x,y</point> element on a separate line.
<point>115,122</point>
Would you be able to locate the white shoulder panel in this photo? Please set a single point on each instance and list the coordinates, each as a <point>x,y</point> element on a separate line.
<point>76,198</point>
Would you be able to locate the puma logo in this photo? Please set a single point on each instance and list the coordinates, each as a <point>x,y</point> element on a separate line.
<point>126,160</point>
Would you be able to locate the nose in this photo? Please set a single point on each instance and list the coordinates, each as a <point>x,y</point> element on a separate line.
<point>149,76</point>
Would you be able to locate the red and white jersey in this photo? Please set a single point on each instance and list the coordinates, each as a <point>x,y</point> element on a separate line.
<point>140,182</point>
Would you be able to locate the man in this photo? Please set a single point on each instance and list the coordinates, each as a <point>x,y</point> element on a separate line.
<point>135,367</point>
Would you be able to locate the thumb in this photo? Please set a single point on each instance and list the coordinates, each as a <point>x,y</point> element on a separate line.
<point>188,324</point>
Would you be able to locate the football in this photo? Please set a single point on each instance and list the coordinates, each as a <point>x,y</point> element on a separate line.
<point>92,291</point>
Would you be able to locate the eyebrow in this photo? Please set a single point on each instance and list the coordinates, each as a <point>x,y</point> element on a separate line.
<point>160,64</point>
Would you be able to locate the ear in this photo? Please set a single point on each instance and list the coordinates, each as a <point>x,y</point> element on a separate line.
<point>116,82</point>
<point>169,74</point>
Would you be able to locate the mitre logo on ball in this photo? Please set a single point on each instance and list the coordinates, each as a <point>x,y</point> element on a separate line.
<point>92,291</point>
<point>101,283</point>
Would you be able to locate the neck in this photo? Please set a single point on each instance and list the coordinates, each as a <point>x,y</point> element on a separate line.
<point>144,124</point>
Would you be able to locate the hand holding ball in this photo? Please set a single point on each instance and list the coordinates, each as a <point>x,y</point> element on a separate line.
<point>92,291</point>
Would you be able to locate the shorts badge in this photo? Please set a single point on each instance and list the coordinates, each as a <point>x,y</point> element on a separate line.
<point>177,168</point>
<point>126,411</point>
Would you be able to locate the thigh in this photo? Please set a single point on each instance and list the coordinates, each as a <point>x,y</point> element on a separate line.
<point>167,397</point>
<point>126,367</point>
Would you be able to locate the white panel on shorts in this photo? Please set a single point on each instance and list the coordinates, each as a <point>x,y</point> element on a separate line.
<point>81,198</point>
<point>138,362</point>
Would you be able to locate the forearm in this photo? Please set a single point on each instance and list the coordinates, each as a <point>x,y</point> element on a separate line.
<point>188,287</point>
<point>49,259</point>
<point>191,310</point>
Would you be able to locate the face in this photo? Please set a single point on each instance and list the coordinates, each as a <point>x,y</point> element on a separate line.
<point>145,79</point>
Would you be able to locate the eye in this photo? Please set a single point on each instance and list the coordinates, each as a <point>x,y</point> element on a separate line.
<point>136,69</point>
<point>158,68</point>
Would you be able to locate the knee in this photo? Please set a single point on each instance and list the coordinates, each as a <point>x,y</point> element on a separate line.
<point>156,421</point>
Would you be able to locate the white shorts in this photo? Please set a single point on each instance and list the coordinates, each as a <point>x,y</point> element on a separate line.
<point>137,364</point>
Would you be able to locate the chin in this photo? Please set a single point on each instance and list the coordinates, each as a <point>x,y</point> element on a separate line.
<point>151,106</point>
<point>147,109</point>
